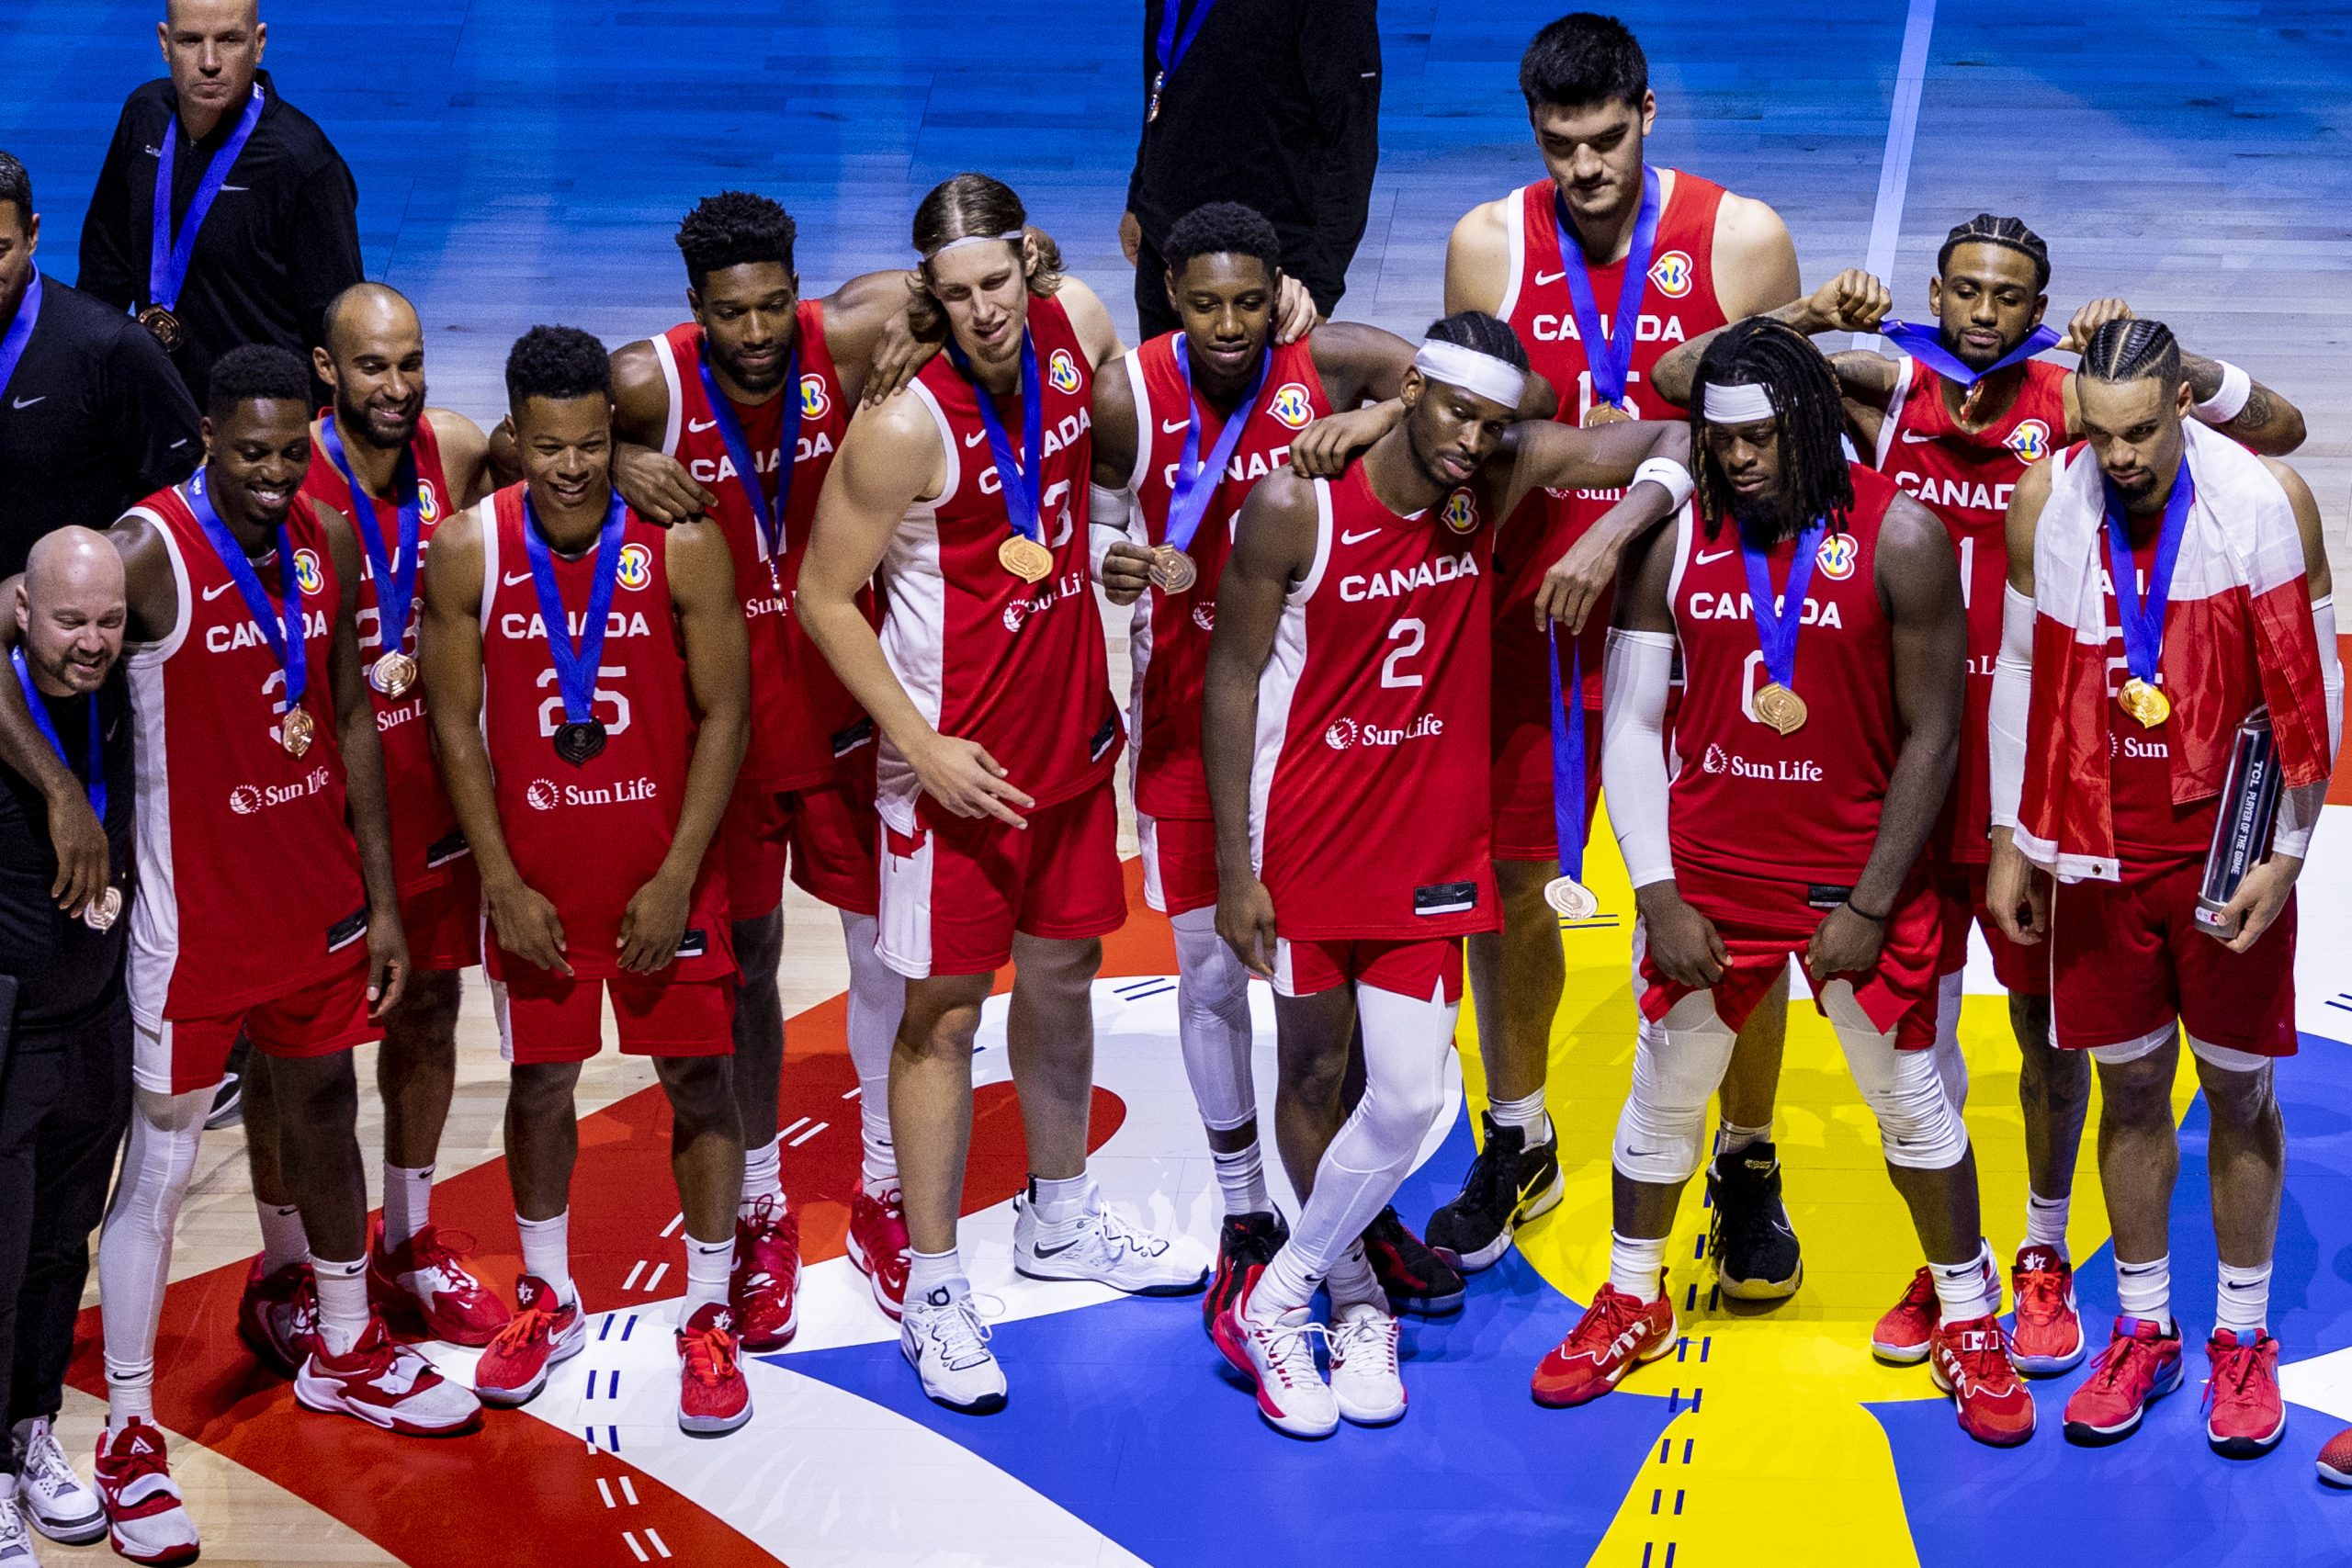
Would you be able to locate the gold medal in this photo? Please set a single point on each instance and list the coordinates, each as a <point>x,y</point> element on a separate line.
<point>2145,703</point>
<point>1780,708</point>
<point>101,912</point>
<point>294,731</point>
<point>1172,571</point>
<point>1026,558</point>
<point>393,674</point>
<point>1572,899</point>
<point>164,327</point>
<point>1604,414</point>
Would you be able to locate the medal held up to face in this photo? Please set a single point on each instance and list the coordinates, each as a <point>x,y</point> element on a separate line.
<point>281,629</point>
<point>580,736</point>
<point>1567,893</point>
<point>1025,553</point>
<point>393,571</point>
<point>1196,482</point>
<point>169,254</point>
<point>1777,620</point>
<point>2141,616</point>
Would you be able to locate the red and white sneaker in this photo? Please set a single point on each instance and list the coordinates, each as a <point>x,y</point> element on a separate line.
<point>386,1385</point>
<point>879,1245</point>
<point>2140,1365</point>
<point>1279,1358</point>
<point>1617,1333</point>
<point>425,1280</point>
<point>542,1332</point>
<point>146,1518</point>
<point>1904,1333</point>
<point>1970,1360</point>
<point>2244,1417</point>
<point>2336,1460</point>
<point>277,1316</point>
<point>713,1397</point>
<point>764,1289</point>
<point>2048,1337</point>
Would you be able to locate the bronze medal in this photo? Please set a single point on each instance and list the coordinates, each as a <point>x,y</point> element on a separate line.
<point>1779,708</point>
<point>294,731</point>
<point>2145,703</point>
<point>580,743</point>
<point>101,912</point>
<point>1604,414</point>
<point>393,674</point>
<point>1172,571</point>
<point>1570,898</point>
<point>1026,558</point>
<point>164,327</point>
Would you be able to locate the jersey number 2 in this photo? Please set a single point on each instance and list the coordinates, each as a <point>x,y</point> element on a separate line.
<point>1408,635</point>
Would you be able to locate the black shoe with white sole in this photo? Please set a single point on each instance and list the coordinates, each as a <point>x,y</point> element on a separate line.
<point>1509,1183</point>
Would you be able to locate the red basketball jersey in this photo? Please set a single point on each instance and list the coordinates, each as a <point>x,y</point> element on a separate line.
<point>2150,830</point>
<point>1368,790</point>
<point>1171,648</point>
<point>587,837</point>
<point>1018,666</point>
<point>802,716</point>
<point>1745,799</point>
<point>249,883</point>
<point>1966,478</point>
<point>425,838</point>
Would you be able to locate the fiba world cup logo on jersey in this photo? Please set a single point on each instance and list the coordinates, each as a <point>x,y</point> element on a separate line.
<point>428,501</point>
<point>1460,515</point>
<point>2030,441</point>
<point>814,403</point>
<point>1670,275</point>
<point>1061,371</point>
<point>636,567</point>
<point>307,572</point>
<point>1836,557</point>
<point>1291,406</point>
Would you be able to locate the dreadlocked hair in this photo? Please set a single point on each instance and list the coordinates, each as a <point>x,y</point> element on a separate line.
<point>966,206</point>
<point>2009,233</point>
<point>1808,413</point>
<point>2130,348</point>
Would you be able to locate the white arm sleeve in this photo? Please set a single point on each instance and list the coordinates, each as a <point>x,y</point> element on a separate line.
<point>1108,511</point>
<point>1635,675</point>
<point>2012,699</point>
<point>2299,809</point>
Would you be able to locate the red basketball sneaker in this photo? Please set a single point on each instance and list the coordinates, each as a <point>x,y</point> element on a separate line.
<point>877,1245</point>
<point>2048,1339</point>
<point>146,1518</point>
<point>2336,1460</point>
<point>277,1316</point>
<point>425,1280</point>
<point>1970,1360</point>
<point>2140,1365</point>
<point>713,1397</point>
<point>2244,1417</point>
<point>765,1287</point>
<point>1903,1336</point>
<point>386,1385</point>
<point>542,1332</point>
<point>1617,1333</point>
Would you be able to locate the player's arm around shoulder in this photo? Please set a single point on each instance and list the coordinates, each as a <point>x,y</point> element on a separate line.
<point>1359,362</point>
<point>1120,564</point>
<point>151,588</point>
<point>656,485</point>
<point>1097,334</point>
<point>1477,257</point>
<point>1651,458</point>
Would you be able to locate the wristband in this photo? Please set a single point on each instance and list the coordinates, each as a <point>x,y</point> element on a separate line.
<point>1874,919</point>
<point>2226,402</point>
<point>1668,472</point>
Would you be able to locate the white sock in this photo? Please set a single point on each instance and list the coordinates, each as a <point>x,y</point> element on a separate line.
<point>408,1204</point>
<point>878,996</point>
<point>1730,1138</point>
<point>762,1175</point>
<point>283,1242</point>
<point>2045,1222</point>
<point>1951,1067</point>
<point>135,1248</point>
<point>1241,1178</point>
<point>1967,1290</point>
<point>1287,1284</point>
<point>2244,1303</point>
<point>936,1279</point>
<point>1059,1201</point>
<point>708,1264</point>
<point>1526,1113</point>
<point>547,1253</point>
<point>1213,1022</point>
<point>131,1396</point>
<point>1351,1281</point>
<point>342,1302</point>
<point>1636,1265</point>
<point>2144,1289</point>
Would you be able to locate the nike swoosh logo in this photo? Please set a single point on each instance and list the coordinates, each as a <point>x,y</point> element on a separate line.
<point>1543,277</point>
<point>699,425</point>
<point>212,593</point>
<point>1704,556</point>
<point>1055,1251</point>
<point>1358,538</point>
<point>513,578</point>
<point>27,402</point>
<point>1912,437</point>
<point>176,445</point>
<point>1170,428</point>
<point>976,438</point>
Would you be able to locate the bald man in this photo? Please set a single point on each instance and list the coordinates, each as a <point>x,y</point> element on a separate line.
<point>66,1059</point>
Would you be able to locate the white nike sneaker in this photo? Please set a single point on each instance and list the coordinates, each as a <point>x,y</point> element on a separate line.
<point>1101,1247</point>
<point>16,1542</point>
<point>54,1500</point>
<point>1278,1357</point>
<point>1364,1380</point>
<point>945,1342</point>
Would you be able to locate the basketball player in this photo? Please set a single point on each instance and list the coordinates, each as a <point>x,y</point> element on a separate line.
<point>1814,747</point>
<point>1698,256</point>
<point>2120,687</point>
<point>988,686</point>
<point>1957,440</point>
<point>395,469</point>
<point>586,677</point>
<point>1199,417</point>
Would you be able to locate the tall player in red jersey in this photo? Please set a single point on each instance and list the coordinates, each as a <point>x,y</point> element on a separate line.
<point>1198,418</point>
<point>587,680</point>
<point>1700,256</point>
<point>1816,614</point>
<point>989,685</point>
<point>2165,584</point>
<point>1345,738</point>
<point>1956,420</point>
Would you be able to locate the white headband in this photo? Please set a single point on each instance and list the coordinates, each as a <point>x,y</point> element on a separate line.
<point>1498,381</point>
<point>1015,237</point>
<point>1743,404</point>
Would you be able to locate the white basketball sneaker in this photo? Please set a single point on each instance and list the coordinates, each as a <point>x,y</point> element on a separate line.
<point>1101,1247</point>
<point>16,1542</point>
<point>1279,1358</point>
<point>1365,1378</point>
<point>54,1500</point>
<point>944,1339</point>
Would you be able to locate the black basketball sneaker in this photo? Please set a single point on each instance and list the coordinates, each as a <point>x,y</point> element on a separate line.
<point>1510,1184</point>
<point>1415,1278</point>
<point>1243,1242</point>
<point>1754,1247</point>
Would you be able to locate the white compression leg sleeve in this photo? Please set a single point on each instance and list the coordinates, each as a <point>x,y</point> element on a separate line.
<point>1213,1022</point>
<point>1677,1063</point>
<point>1918,1125</point>
<point>135,1245</point>
<point>1951,1066</point>
<point>878,996</point>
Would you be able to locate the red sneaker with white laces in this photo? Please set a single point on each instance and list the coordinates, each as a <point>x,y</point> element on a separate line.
<point>146,1518</point>
<point>2140,1365</point>
<point>2336,1460</point>
<point>1970,1360</point>
<point>386,1385</point>
<point>425,1281</point>
<point>1617,1333</point>
<point>2244,1417</point>
<point>542,1332</point>
<point>713,1397</point>
<point>2048,1337</point>
<point>879,1245</point>
<point>764,1289</point>
<point>1903,1336</point>
<point>277,1316</point>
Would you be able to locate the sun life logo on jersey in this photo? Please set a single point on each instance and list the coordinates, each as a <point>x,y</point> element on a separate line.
<point>307,572</point>
<point>814,403</point>
<point>2030,441</point>
<point>542,795</point>
<point>1292,405</point>
<point>1340,735</point>
<point>636,568</point>
<point>1670,273</point>
<point>1061,371</point>
<point>1836,557</point>
<point>244,800</point>
<point>1461,515</point>
<point>1204,616</point>
<point>1716,760</point>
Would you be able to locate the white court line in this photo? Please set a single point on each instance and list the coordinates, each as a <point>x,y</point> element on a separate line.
<point>1901,129</point>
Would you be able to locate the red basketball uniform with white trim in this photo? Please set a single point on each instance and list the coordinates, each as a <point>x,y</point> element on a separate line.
<point>1018,666</point>
<point>808,734</point>
<point>1679,303</point>
<point>1366,820</point>
<point>440,894</point>
<point>1771,831</point>
<point>2127,957</point>
<point>251,913</point>
<point>1170,645</point>
<point>587,837</point>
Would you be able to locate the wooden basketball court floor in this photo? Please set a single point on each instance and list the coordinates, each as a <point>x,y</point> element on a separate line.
<point>525,161</point>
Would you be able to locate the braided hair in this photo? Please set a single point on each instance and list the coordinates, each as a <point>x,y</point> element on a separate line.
<point>1487,335</point>
<point>2009,233</point>
<point>1807,412</point>
<point>2130,348</point>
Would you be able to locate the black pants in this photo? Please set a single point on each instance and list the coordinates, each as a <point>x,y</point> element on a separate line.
<point>64,1101</point>
<point>1154,314</point>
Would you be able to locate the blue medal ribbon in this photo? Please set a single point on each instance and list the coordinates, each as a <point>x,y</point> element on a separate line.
<point>767,511</point>
<point>1027,516</point>
<point>395,574</point>
<point>47,727</point>
<point>284,636</point>
<point>1196,482</point>
<point>1610,355</point>
<point>575,659</point>
<point>1776,626</point>
<point>2143,618</point>
<point>1169,48</point>
<point>1568,754</point>
<point>20,331</point>
<point>168,255</point>
<point>1926,345</point>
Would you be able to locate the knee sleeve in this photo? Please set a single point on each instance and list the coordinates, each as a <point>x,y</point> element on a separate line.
<point>1917,1126</point>
<point>1213,1022</point>
<point>1677,1063</point>
<point>1952,1067</point>
<point>135,1244</point>
<point>877,998</point>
